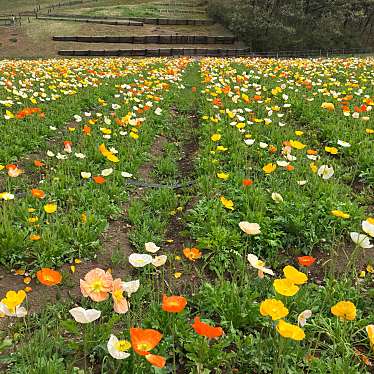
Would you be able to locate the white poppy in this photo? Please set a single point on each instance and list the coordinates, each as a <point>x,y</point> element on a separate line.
<point>325,171</point>
<point>50,154</point>
<point>107,172</point>
<point>19,312</point>
<point>302,183</point>
<point>263,145</point>
<point>361,240</point>
<point>85,175</point>
<point>53,128</point>
<point>6,196</point>
<point>151,247</point>
<point>158,111</point>
<point>312,157</point>
<point>159,260</point>
<point>80,155</point>
<point>82,315</point>
<point>117,348</point>
<point>250,228</point>
<point>283,163</point>
<point>139,260</point>
<point>303,316</point>
<point>277,197</point>
<point>343,143</point>
<point>131,287</point>
<point>126,175</point>
<point>249,141</point>
<point>259,265</point>
<point>77,118</point>
<point>368,227</point>
<point>290,157</point>
<point>59,156</point>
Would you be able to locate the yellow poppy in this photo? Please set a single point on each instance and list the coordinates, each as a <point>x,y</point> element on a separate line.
<point>285,287</point>
<point>50,208</point>
<point>273,308</point>
<point>295,276</point>
<point>228,204</point>
<point>269,168</point>
<point>215,137</point>
<point>340,214</point>
<point>345,310</point>
<point>287,330</point>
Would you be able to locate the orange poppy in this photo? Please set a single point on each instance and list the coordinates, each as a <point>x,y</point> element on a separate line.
<point>206,330</point>
<point>144,340</point>
<point>38,163</point>
<point>312,152</point>
<point>155,360</point>
<point>192,253</point>
<point>306,260</point>
<point>173,304</point>
<point>290,167</point>
<point>11,167</point>
<point>39,194</point>
<point>272,148</point>
<point>99,179</point>
<point>87,130</point>
<point>49,277</point>
<point>247,182</point>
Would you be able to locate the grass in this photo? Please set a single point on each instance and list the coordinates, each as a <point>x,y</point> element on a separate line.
<point>222,124</point>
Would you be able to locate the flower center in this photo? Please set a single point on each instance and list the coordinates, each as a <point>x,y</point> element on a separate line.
<point>97,286</point>
<point>123,345</point>
<point>143,347</point>
<point>118,295</point>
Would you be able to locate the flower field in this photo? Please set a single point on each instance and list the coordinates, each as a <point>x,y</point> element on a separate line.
<point>179,216</point>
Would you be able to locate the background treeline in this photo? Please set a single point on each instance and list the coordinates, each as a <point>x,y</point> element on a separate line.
<point>297,24</point>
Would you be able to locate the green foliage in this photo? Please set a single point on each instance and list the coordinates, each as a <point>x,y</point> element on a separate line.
<point>297,24</point>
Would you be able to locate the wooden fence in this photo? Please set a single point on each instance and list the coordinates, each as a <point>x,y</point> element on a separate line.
<point>152,21</point>
<point>149,39</point>
<point>100,21</point>
<point>182,11</point>
<point>160,52</point>
<point>215,52</point>
<point>10,20</point>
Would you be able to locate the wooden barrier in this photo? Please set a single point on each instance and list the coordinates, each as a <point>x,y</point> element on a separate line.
<point>100,21</point>
<point>158,52</point>
<point>184,11</point>
<point>152,21</point>
<point>149,39</point>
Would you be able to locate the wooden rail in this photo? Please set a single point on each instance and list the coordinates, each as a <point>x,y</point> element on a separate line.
<point>100,21</point>
<point>145,20</point>
<point>158,52</point>
<point>149,39</point>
